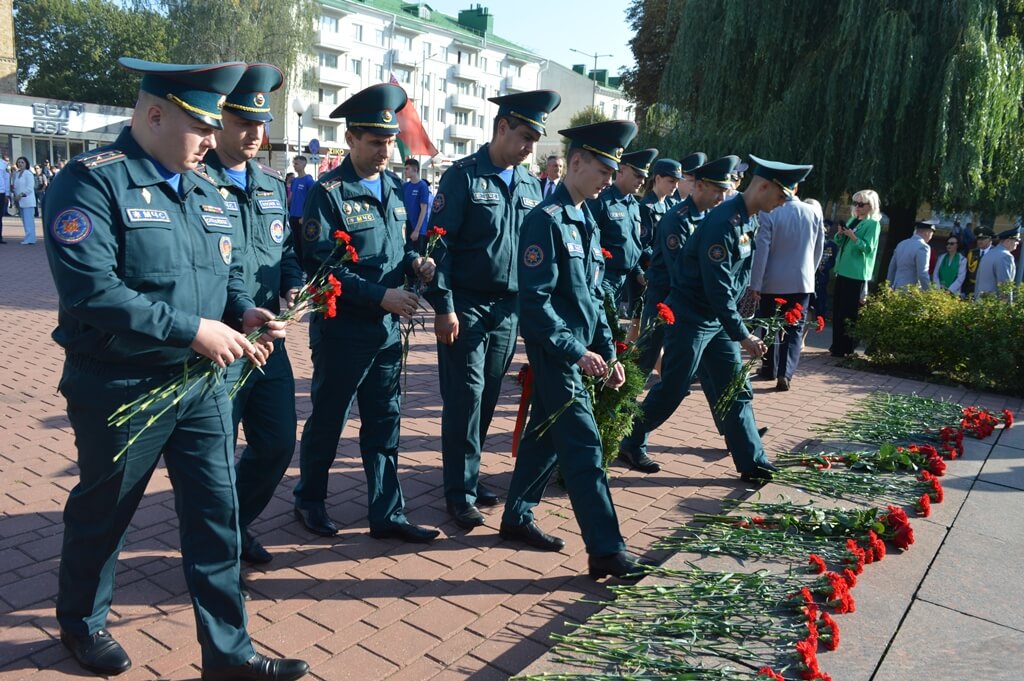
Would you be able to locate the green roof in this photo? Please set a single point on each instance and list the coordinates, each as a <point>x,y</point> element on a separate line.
<point>440,21</point>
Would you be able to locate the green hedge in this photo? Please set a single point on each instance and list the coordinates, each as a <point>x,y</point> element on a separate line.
<point>931,333</point>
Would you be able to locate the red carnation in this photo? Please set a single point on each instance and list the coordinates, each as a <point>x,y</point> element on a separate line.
<point>343,236</point>
<point>606,253</point>
<point>666,314</point>
<point>821,324</point>
<point>924,506</point>
<point>351,250</point>
<point>829,631</point>
<point>620,347</point>
<point>850,577</point>
<point>817,563</point>
<point>808,652</point>
<point>1007,418</point>
<point>781,301</point>
<point>937,494</point>
<point>937,466</point>
<point>335,284</point>
<point>435,232</point>
<point>903,537</point>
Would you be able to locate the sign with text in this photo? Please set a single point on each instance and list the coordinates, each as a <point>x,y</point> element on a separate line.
<point>52,118</point>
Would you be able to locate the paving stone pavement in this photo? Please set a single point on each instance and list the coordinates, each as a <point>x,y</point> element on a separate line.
<point>468,606</point>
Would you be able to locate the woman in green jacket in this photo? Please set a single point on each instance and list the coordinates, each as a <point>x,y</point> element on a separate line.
<point>858,245</point>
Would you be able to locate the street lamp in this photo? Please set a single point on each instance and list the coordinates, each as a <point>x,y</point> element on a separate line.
<point>593,73</point>
<point>299,107</point>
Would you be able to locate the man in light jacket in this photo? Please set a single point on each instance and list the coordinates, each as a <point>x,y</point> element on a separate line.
<point>909,263</point>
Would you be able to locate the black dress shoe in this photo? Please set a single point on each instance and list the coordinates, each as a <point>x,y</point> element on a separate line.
<point>253,551</point>
<point>485,497</point>
<point>260,668</point>
<point>762,431</point>
<point>532,535</point>
<point>621,565</point>
<point>782,385</point>
<point>762,473</point>
<point>466,516</point>
<point>98,653</point>
<point>640,462</point>
<point>405,532</point>
<point>316,520</point>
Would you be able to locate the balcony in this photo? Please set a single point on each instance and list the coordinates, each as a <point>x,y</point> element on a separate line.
<point>322,110</point>
<point>460,100</point>
<point>465,132</point>
<point>404,57</point>
<point>334,76</point>
<point>333,40</point>
<point>519,84</point>
<point>466,72</point>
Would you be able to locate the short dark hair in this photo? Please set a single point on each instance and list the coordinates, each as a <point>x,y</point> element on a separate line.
<point>513,123</point>
<point>412,162</point>
<point>576,151</point>
<point>302,158</point>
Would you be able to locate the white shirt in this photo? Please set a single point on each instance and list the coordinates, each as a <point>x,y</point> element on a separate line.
<point>25,183</point>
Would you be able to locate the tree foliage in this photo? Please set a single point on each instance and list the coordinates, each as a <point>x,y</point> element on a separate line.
<point>585,116</point>
<point>654,29</point>
<point>68,49</point>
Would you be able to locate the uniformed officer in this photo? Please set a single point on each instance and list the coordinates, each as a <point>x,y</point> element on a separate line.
<point>481,203</point>
<point>617,213</point>
<point>909,263</point>
<point>685,185</point>
<point>974,257</point>
<point>708,333</point>
<point>710,183</point>
<point>141,250</point>
<point>358,353</point>
<point>265,405</point>
<point>998,266</point>
<point>565,329</point>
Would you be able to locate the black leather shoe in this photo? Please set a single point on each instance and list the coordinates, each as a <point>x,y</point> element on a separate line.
<point>260,668</point>
<point>762,431</point>
<point>466,516</point>
<point>253,551</point>
<point>532,535</point>
<point>782,385</point>
<point>640,462</point>
<point>621,565</point>
<point>485,497</point>
<point>316,520</point>
<point>405,532</point>
<point>98,653</point>
<point>762,473</point>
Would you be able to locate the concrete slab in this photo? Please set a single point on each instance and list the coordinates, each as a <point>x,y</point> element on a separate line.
<point>1013,437</point>
<point>1005,466</point>
<point>937,643</point>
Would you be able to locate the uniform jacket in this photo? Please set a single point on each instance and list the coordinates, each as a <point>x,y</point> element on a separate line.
<point>137,265</point>
<point>790,242</point>
<point>482,218</point>
<point>974,257</point>
<point>714,268</point>
<point>651,213</point>
<point>561,305</point>
<point>338,201</point>
<point>263,245</point>
<point>618,219</point>
<point>995,268</point>
<point>909,263</point>
<point>670,236</point>
<point>856,259</point>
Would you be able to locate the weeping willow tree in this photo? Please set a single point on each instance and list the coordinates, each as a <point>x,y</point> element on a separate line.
<point>922,100</point>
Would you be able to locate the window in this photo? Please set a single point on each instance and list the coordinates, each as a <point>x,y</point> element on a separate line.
<point>403,75</point>
<point>483,64</point>
<point>329,59</point>
<point>443,85</point>
<point>516,69</point>
<point>424,113</point>
<point>463,88</point>
<point>444,54</point>
<point>403,42</point>
<point>327,133</point>
<point>440,115</point>
<point>328,24</point>
<point>480,121</point>
<point>615,111</point>
<point>329,95</point>
<point>461,118</point>
<point>378,36</point>
<point>357,32</point>
<point>356,66</point>
<point>460,148</point>
<point>379,72</point>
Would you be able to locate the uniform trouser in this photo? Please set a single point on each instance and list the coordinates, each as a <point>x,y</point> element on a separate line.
<point>265,407</point>
<point>700,347</point>
<point>845,310</point>
<point>573,442</point>
<point>653,340</point>
<point>195,440</point>
<point>783,356</point>
<point>471,371</point>
<point>361,360</point>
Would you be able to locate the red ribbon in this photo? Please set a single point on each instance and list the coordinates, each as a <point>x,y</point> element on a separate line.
<point>525,379</point>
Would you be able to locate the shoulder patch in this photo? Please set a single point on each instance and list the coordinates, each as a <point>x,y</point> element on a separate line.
<point>552,209</point>
<point>271,171</point>
<point>683,209</point>
<point>463,162</point>
<point>672,241</point>
<point>716,253</point>
<point>97,159</point>
<point>533,255</point>
<point>311,230</point>
<point>439,202</point>
<point>71,226</point>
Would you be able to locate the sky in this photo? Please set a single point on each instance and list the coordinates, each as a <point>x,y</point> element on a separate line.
<point>550,27</point>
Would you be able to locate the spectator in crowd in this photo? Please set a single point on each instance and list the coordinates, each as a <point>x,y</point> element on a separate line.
<point>909,262</point>
<point>552,174</point>
<point>5,193</point>
<point>819,301</point>
<point>417,199</point>
<point>951,268</point>
<point>998,266</point>
<point>974,257</point>
<point>858,245</point>
<point>24,190</point>
<point>297,202</point>
<point>288,186</point>
<point>42,181</point>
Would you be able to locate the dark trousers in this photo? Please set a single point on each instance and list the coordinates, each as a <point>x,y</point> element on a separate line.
<point>783,356</point>
<point>845,309</point>
<point>194,440</point>
<point>574,444</point>
<point>265,408</point>
<point>3,214</point>
<point>650,346</point>
<point>297,236</point>
<point>471,371</point>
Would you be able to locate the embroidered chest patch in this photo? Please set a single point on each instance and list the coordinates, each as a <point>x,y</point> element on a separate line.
<point>225,249</point>
<point>277,231</point>
<point>533,255</point>
<point>147,215</point>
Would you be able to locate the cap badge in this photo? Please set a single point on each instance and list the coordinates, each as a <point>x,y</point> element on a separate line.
<point>259,99</point>
<point>387,116</point>
<point>220,102</point>
<point>544,117</point>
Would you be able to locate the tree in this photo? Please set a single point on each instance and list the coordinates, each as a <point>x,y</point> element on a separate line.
<point>920,100</point>
<point>585,116</point>
<point>68,49</point>
<point>655,29</point>
<point>278,32</point>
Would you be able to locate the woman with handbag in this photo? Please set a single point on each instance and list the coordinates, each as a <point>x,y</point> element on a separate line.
<point>857,245</point>
<point>24,185</point>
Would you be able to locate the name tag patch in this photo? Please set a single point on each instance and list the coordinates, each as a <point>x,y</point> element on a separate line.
<point>486,196</point>
<point>400,213</point>
<point>359,218</point>
<point>148,215</point>
<point>269,204</point>
<point>216,221</point>
<point>527,202</point>
<point>616,214</point>
<point>574,248</point>
<point>231,205</point>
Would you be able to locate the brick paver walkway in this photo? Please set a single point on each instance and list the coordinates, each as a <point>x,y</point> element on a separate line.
<point>468,606</point>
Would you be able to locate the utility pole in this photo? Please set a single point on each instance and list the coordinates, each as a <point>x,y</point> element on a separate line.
<point>593,74</point>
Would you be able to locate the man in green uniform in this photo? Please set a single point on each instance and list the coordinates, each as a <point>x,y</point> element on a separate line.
<point>617,213</point>
<point>709,278</point>
<point>265,405</point>
<point>481,203</point>
<point>565,329</point>
<point>358,353</point>
<point>709,183</point>
<point>141,251</point>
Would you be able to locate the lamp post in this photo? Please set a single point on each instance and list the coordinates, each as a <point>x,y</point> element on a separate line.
<point>299,107</point>
<point>593,101</point>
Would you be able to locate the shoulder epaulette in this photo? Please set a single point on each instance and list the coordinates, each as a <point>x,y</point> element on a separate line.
<point>331,185</point>
<point>683,209</point>
<point>201,168</point>
<point>202,174</point>
<point>463,162</point>
<point>552,209</point>
<point>273,172</point>
<point>97,159</point>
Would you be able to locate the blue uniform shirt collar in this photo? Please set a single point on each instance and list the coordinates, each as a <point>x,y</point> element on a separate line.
<point>485,166</point>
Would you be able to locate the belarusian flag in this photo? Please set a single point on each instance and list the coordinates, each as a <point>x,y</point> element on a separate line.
<point>413,139</point>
